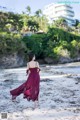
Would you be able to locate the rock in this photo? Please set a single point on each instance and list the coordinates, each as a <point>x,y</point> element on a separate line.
<point>76,59</point>
<point>46,80</point>
<point>11,61</point>
<point>41,61</point>
<point>50,60</point>
<point>8,80</point>
<point>72,102</point>
<point>68,59</point>
<point>18,60</point>
<point>64,60</point>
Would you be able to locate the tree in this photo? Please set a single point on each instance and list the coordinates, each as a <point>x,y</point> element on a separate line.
<point>38,13</point>
<point>43,23</point>
<point>15,21</point>
<point>3,20</point>
<point>61,22</point>
<point>76,22</point>
<point>33,25</point>
<point>28,10</point>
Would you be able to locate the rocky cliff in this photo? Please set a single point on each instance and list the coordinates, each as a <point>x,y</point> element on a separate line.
<point>12,60</point>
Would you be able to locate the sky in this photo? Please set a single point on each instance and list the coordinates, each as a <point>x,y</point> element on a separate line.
<point>20,5</point>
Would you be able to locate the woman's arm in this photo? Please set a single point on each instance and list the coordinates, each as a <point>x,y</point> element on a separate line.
<point>27,69</point>
<point>38,67</point>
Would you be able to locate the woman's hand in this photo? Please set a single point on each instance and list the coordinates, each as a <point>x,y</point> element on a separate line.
<point>27,72</point>
<point>38,70</point>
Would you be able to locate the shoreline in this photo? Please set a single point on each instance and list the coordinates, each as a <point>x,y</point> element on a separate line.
<point>41,64</point>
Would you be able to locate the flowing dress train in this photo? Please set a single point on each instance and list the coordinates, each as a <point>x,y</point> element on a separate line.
<point>30,88</point>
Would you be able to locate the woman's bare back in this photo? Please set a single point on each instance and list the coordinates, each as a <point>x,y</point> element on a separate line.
<point>33,64</point>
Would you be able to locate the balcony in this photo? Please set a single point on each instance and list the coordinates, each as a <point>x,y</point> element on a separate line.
<point>63,5</point>
<point>71,13</point>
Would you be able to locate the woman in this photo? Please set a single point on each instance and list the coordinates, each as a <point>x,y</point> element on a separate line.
<point>30,88</point>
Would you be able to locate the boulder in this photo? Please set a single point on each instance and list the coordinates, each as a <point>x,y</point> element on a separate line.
<point>50,60</point>
<point>64,59</point>
<point>11,61</point>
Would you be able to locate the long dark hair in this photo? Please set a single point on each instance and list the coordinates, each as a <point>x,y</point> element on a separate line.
<point>30,56</point>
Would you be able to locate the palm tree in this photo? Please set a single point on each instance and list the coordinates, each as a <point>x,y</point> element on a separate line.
<point>38,13</point>
<point>28,10</point>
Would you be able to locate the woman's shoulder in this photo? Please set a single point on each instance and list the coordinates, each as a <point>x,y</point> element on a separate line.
<point>36,61</point>
<point>31,62</point>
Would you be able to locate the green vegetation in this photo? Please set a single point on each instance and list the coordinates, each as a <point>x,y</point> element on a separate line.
<point>55,43</point>
<point>57,39</point>
<point>11,43</point>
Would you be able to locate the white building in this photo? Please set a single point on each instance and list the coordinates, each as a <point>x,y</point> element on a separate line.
<point>54,11</point>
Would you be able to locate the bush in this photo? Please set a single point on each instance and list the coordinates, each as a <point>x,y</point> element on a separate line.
<point>11,43</point>
<point>35,43</point>
<point>60,51</point>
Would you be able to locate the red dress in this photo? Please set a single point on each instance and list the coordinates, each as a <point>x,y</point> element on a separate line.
<point>30,88</point>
